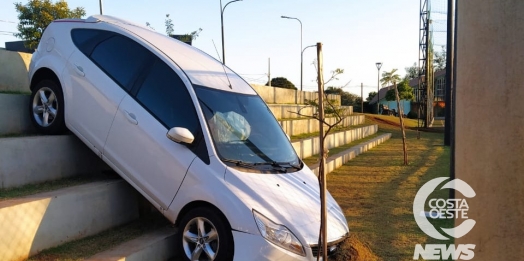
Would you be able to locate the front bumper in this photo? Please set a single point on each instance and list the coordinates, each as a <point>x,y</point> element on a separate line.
<point>256,248</point>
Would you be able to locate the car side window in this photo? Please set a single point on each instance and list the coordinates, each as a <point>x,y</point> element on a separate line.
<point>165,95</point>
<point>121,58</point>
<point>87,39</point>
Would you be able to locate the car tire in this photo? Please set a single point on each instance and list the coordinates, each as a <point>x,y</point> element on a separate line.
<point>205,235</point>
<point>46,108</point>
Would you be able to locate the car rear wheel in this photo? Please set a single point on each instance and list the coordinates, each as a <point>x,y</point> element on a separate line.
<point>205,235</point>
<point>47,108</point>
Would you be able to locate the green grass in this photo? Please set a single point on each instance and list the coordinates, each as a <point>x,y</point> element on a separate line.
<point>410,123</point>
<point>31,189</point>
<point>89,246</point>
<point>15,135</point>
<point>376,192</point>
<point>16,92</point>
<point>334,130</point>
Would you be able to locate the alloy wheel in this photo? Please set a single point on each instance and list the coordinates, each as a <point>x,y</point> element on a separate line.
<point>200,239</point>
<point>45,107</point>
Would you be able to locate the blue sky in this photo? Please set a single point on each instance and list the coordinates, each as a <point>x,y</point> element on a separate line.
<point>355,34</point>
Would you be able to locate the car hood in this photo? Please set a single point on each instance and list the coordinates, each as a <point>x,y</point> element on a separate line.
<point>290,199</point>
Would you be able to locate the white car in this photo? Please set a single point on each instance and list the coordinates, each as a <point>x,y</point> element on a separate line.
<point>186,132</point>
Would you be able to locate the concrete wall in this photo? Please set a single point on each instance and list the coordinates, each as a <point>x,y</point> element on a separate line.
<point>406,105</point>
<point>489,153</point>
<point>297,127</point>
<point>13,72</point>
<point>287,96</point>
<point>310,146</point>
<point>289,111</point>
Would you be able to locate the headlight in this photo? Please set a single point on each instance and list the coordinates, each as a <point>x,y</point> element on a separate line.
<point>278,234</point>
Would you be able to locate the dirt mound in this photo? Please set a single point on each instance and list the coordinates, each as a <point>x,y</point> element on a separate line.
<point>352,249</point>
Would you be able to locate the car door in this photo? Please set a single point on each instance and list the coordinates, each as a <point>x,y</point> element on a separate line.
<point>101,73</point>
<point>137,144</point>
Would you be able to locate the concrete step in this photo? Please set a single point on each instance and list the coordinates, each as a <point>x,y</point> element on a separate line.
<point>14,114</point>
<point>310,146</point>
<point>300,126</point>
<point>289,111</point>
<point>37,222</point>
<point>339,159</point>
<point>158,245</point>
<point>35,159</point>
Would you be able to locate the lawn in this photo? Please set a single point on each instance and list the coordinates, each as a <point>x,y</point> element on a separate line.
<point>376,192</point>
<point>410,123</point>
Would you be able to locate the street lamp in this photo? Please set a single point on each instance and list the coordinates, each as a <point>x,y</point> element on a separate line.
<point>301,61</point>
<point>379,64</point>
<point>100,2</point>
<point>222,23</point>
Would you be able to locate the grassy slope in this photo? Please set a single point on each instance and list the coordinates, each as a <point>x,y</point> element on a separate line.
<point>376,192</point>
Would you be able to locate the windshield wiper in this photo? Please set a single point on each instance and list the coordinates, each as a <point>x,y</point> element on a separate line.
<point>240,163</point>
<point>282,165</point>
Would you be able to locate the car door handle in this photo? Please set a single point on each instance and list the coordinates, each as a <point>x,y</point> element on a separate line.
<point>79,70</point>
<point>131,117</point>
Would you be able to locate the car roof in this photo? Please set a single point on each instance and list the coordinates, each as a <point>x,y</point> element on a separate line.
<point>201,68</point>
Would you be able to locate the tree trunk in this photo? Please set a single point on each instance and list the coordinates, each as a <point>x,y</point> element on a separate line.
<point>321,165</point>
<point>400,113</point>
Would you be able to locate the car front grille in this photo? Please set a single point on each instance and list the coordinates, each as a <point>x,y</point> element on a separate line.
<point>331,248</point>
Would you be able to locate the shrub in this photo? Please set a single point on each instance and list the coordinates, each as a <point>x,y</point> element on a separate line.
<point>412,115</point>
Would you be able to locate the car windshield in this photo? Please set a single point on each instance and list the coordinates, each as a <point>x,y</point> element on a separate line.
<point>245,133</point>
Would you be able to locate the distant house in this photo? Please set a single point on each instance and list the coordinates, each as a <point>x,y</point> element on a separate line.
<point>438,101</point>
<point>439,93</point>
<point>391,105</point>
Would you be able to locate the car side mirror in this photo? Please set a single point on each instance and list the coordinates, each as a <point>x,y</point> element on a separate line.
<point>180,135</point>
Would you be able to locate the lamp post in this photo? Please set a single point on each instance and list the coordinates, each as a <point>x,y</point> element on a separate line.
<point>222,24</point>
<point>379,64</point>
<point>301,61</point>
<point>100,2</point>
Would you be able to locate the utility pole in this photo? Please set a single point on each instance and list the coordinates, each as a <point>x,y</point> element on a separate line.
<point>361,97</point>
<point>449,72</point>
<point>269,71</point>
<point>100,2</point>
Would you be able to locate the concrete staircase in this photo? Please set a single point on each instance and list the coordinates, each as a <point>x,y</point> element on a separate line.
<point>38,221</point>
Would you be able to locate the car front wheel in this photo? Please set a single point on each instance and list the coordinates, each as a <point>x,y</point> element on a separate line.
<point>205,235</point>
<point>47,108</point>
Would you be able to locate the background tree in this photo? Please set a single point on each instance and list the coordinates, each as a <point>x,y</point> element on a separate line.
<point>169,25</point>
<point>405,92</point>
<point>282,82</point>
<point>389,77</point>
<point>392,77</point>
<point>170,29</point>
<point>440,59</point>
<point>346,98</point>
<point>371,95</point>
<point>36,15</point>
<point>412,72</point>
